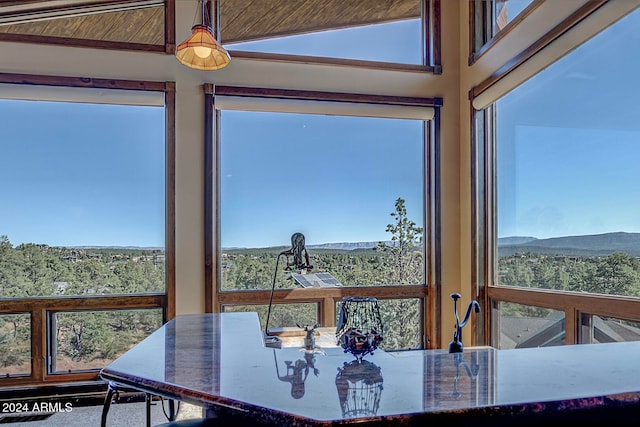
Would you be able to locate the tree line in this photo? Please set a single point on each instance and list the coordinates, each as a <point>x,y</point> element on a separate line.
<point>397,262</point>
<point>615,274</point>
<point>35,270</point>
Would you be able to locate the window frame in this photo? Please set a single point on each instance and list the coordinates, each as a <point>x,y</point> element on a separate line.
<point>325,298</point>
<point>482,11</point>
<point>575,306</point>
<point>432,52</point>
<point>41,308</point>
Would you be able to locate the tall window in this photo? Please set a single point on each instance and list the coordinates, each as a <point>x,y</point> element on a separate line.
<point>353,185</point>
<point>566,145</point>
<point>566,212</point>
<point>83,221</point>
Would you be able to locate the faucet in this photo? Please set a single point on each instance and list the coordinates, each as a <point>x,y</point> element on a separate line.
<point>456,346</point>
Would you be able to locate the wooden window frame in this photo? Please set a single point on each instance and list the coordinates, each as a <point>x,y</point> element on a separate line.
<point>428,294</point>
<point>41,308</point>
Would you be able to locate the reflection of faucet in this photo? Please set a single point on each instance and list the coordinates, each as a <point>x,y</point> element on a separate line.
<point>297,372</point>
<point>456,345</point>
<point>472,373</point>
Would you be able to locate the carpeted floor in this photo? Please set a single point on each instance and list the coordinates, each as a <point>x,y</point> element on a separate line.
<point>120,415</point>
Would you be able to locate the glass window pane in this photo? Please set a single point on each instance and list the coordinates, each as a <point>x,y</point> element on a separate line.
<point>84,212</point>
<point>524,326</point>
<point>600,329</point>
<point>505,11</point>
<point>567,150</point>
<point>353,186</point>
<point>282,315</point>
<point>92,340</point>
<point>402,323</point>
<point>15,344</point>
<point>390,32</point>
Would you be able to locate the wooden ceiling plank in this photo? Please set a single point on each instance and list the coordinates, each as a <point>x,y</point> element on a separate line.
<point>151,27</point>
<point>239,26</point>
<point>101,27</point>
<point>65,27</point>
<point>129,27</point>
<point>231,10</point>
<point>59,28</point>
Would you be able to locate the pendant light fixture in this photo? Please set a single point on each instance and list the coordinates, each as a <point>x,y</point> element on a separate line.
<point>201,50</point>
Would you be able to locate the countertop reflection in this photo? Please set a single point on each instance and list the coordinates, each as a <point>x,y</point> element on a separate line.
<point>220,359</point>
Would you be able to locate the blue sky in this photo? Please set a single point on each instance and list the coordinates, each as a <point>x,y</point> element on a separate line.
<point>334,179</point>
<point>72,195</point>
<point>81,174</point>
<point>587,184</point>
<point>569,142</point>
<point>390,42</point>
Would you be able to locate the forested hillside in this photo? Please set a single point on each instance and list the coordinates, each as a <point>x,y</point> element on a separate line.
<point>87,339</point>
<point>36,270</point>
<point>615,274</point>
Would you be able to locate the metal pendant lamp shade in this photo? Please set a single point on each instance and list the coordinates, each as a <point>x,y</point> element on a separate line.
<point>201,50</point>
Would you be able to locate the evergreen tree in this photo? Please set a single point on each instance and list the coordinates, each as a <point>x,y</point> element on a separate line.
<point>404,251</point>
<point>401,317</point>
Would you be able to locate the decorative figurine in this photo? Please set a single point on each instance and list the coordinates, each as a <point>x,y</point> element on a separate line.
<point>310,336</point>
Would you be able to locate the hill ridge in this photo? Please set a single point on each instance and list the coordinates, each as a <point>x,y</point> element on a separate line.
<point>586,244</point>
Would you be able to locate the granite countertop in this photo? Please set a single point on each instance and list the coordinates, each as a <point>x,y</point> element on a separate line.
<point>220,359</point>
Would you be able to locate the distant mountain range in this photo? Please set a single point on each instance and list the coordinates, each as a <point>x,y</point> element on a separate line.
<point>587,245</point>
<point>347,246</point>
<point>134,248</point>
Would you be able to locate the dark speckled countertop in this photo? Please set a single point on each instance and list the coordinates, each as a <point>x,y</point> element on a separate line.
<point>220,360</point>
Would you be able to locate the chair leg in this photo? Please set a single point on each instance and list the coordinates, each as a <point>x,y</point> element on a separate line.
<point>172,410</point>
<point>147,397</point>
<point>107,404</point>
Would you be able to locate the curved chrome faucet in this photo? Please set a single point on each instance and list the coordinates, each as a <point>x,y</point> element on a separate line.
<point>456,346</point>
